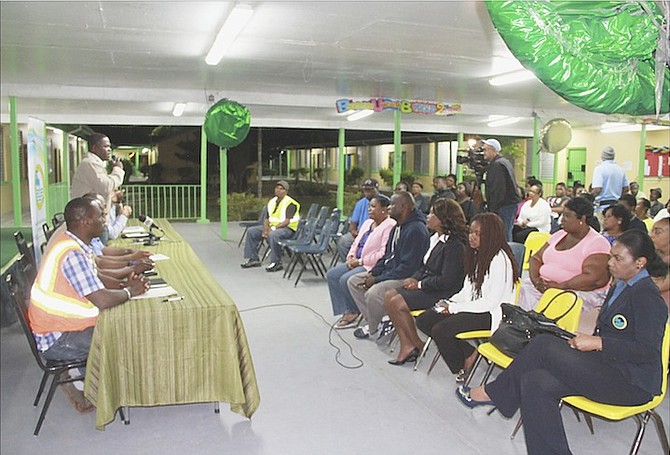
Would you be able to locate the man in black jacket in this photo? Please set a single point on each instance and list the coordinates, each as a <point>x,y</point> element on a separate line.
<point>406,246</point>
<point>501,187</point>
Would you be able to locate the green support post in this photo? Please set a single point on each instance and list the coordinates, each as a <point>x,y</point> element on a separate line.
<point>16,168</point>
<point>47,196</point>
<point>340,170</point>
<point>203,177</point>
<point>643,148</point>
<point>66,160</point>
<point>136,170</point>
<point>288,163</point>
<point>459,167</point>
<point>535,158</point>
<point>397,149</point>
<point>223,191</point>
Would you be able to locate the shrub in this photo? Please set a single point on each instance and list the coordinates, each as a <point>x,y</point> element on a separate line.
<point>353,176</point>
<point>243,206</point>
<point>307,188</point>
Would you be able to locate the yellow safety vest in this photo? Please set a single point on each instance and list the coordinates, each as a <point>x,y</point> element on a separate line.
<point>55,305</point>
<point>277,214</point>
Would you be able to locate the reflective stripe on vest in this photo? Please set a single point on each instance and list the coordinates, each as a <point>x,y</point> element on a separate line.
<point>56,302</point>
<point>285,202</point>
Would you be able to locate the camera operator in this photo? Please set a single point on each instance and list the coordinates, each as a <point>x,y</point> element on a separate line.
<point>501,195</point>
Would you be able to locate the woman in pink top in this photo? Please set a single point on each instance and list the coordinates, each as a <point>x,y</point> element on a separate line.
<point>368,247</point>
<point>573,258</point>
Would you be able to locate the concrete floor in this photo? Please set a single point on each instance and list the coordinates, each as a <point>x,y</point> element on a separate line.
<point>310,404</point>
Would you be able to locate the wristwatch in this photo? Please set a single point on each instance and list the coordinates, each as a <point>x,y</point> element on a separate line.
<point>273,228</point>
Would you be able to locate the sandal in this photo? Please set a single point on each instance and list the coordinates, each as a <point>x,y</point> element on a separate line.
<point>348,322</point>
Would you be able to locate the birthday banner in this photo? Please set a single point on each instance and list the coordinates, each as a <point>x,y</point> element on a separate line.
<point>404,106</point>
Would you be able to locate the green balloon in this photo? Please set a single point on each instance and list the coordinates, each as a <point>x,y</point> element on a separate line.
<point>227,123</point>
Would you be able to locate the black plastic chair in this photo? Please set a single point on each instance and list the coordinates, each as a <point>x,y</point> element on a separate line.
<point>249,224</point>
<point>56,369</point>
<point>24,249</point>
<point>58,219</point>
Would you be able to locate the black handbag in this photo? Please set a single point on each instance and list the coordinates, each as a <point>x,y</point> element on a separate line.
<point>519,326</point>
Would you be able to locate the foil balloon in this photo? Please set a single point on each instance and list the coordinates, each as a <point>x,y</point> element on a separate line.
<point>227,123</point>
<point>555,135</point>
<point>598,55</point>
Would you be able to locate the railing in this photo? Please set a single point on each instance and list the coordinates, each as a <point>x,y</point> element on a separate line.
<point>174,202</point>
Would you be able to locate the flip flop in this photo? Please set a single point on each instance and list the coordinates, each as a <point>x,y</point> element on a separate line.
<point>348,323</point>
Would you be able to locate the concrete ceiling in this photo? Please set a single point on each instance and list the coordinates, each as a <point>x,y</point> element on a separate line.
<point>127,63</point>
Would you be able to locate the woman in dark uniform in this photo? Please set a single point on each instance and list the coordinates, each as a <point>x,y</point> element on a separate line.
<point>619,364</point>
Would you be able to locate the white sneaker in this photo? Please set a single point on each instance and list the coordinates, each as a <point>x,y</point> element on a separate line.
<point>79,385</point>
<point>74,373</point>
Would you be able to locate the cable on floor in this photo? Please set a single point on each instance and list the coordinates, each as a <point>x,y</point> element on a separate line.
<point>338,351</point>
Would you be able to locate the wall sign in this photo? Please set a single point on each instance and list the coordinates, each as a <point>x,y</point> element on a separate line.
<point>405,106</point>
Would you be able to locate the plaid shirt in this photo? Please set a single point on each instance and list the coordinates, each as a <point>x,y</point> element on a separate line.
<point>80,271</point>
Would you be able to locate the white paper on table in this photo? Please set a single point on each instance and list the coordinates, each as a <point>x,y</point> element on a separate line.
<point>133,229</point>
<point>158,257</point>
<point>157,292</point>
<point>136,235</point>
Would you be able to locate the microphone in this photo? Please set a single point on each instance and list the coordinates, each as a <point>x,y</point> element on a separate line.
<point>148,222</point>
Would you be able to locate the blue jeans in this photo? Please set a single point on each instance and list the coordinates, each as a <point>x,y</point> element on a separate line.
<point>340,297</point>
<point>508,213</point>
<point>70,346</point>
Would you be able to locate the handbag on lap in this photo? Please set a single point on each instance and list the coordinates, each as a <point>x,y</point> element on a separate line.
<point>519,326</point>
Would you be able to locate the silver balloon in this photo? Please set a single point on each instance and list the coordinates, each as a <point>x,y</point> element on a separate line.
<point>555,135</point>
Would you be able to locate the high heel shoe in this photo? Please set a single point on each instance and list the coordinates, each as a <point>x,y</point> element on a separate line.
<point>411,357</point>
<point>463,394</point>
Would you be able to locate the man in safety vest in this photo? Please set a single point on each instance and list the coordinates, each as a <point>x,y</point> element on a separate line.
<point>68,293</point>
<point>279,223</point>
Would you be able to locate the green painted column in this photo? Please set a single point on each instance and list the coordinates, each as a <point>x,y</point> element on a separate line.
<point>459,167</point>
<point>288,163</point>
<point>136,169</point>
<point>397,148</point>
<point>203,177</point>
<point>535,158</point>
<point>16,167</point>
<point>66,160</point>
<point>223,191</point>
<point>643,147</point>
<point>340,170</point>
<point>47,184</point>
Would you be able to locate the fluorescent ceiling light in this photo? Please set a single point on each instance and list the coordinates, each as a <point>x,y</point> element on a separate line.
<point>614,127</point>
<point>360,114</point>
<point>512,78</point>
<point>504,121</point>
<point>178,109</point>
<point>234,24</point>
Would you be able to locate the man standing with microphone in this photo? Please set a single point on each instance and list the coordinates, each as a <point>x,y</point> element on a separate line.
<point>501,194</point>
<point>91,175</point>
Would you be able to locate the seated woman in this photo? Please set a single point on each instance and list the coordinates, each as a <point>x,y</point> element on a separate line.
<point>573,258</point>
<point>369,245</point>
<point>441,276</point>
<point>535,215</point>
<point>490,271</point>
<point>660,235</point>
<point>619,364</point>
<point>616,219</point>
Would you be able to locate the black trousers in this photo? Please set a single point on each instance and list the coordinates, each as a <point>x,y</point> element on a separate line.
<point>443,330</point>
<point>544,372</point>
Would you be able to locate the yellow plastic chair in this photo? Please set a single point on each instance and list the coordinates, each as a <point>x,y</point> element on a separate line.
<point>642,413</point>
<point>394,336</point>
<point>474,335</point>
<point>533,243</point>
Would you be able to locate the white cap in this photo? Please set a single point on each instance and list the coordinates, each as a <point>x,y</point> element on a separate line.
<point>493,143</point>
<point>663,213</point>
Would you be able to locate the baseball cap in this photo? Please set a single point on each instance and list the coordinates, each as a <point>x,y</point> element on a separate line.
<point>493,143</point>
<point>283,183</point>
<point>370,183</point>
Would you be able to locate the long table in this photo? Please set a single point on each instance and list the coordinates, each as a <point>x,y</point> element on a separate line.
<point>147,352</point>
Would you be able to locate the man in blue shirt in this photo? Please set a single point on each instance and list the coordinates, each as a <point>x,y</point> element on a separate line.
<point>609,181</point>
<point>370,189</point>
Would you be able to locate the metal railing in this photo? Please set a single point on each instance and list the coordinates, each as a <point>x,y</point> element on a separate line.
<point>174,202</point>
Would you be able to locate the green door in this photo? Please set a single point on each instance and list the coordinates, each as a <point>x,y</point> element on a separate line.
<point>576,165</point>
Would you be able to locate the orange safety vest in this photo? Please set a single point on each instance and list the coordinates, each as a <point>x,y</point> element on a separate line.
<point>55,305</point>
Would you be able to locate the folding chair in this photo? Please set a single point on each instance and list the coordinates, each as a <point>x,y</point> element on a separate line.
<point>642,412</point>
<point>52,368</point>
<point>312,253</point>
<point>534,242</point>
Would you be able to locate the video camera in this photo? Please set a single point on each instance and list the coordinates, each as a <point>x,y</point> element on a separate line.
<point>473,157</point>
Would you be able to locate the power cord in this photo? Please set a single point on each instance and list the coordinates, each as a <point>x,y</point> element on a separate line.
<point>338,351</point>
